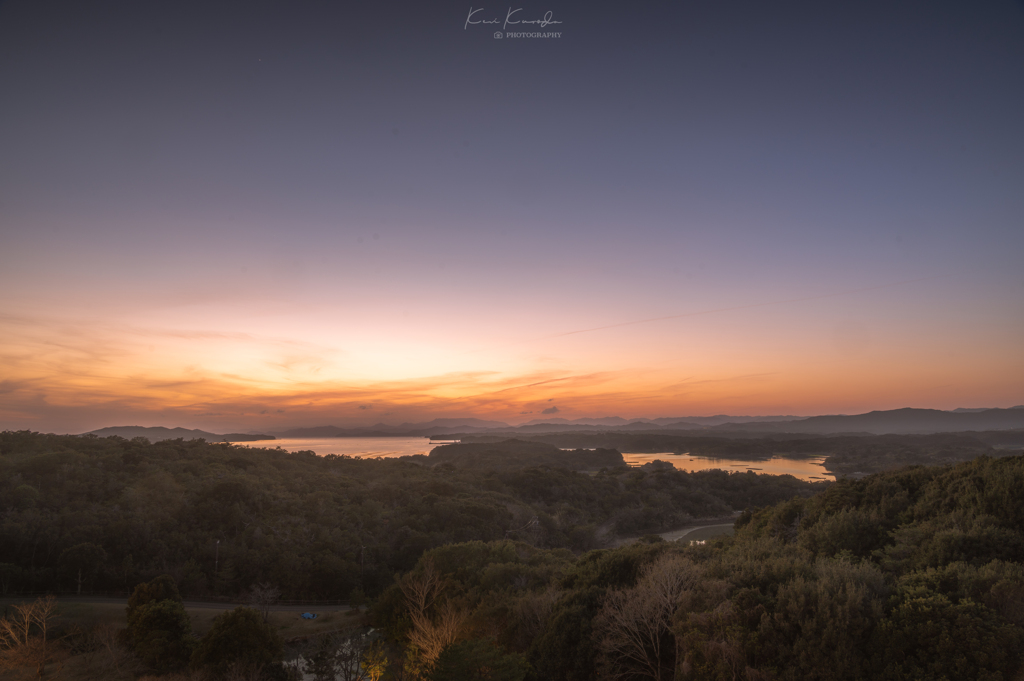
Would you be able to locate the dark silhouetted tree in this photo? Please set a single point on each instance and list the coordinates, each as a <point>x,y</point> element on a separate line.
<point>239,638</point>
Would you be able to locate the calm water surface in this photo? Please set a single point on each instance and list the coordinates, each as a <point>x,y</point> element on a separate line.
<point>359,447</point>
<point>388,447</point>
<point>805,469</point>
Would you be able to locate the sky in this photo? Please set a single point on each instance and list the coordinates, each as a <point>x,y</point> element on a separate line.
<point>254,216</point>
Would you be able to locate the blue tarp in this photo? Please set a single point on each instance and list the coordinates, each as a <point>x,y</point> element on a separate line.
<point>309,615</point>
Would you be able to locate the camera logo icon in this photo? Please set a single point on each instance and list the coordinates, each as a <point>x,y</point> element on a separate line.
<point>497,35</point>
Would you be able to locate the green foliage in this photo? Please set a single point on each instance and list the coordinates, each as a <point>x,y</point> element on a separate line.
<point>930,637</point>
<point>853,530</point>
<point>25,497</point>
<point>914,574</point>
<point>998,585</point>
<point>375,660</point>
<point>161,588</point>
<point>938,539</point>
<point>160,633</point>
<point>565,649</point>
<point>237,638</point>
<point>821,627</point>
<point>478,660</point>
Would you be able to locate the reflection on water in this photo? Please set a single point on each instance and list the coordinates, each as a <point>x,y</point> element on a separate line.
<point>358,447</point>
<point>805,469</point>
<point>390,447</point>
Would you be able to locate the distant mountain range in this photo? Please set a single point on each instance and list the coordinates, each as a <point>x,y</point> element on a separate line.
<point>434,427</point>
<point>159,433</point>
<point>663,421</point>
<point>896,421</point>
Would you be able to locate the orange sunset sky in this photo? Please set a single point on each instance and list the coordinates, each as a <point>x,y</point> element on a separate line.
<point>313,216</point>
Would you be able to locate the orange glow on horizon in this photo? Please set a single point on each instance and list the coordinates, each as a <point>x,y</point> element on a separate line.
<point>95,376</point>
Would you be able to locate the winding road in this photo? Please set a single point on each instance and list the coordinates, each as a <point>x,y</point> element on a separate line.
<point>209,605</point>
<point>677,534</point>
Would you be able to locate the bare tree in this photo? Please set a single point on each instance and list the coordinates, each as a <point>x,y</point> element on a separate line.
<point>15,630</point>
<point>422,589</point>
<point>18,647</point>
<point>350,657</point>
<point>332,657</point>
<point>431,635</point>
<point>635,624</point>
<point>111,658</point>
<point>435,624</point>
<point>262,596</point>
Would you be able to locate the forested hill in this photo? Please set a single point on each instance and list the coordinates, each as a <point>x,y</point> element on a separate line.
<point>915,574</point>
<point>124,511</point>
<point>896,421</point>
<point>912,574</point>
<point>157,433</point>
<point>519,454</point>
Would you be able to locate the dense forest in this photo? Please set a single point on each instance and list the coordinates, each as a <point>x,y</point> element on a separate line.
<point>503,574</point>
<point>103,514</point>
<point>915,574</point>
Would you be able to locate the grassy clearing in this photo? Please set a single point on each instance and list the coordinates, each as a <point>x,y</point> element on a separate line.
<point>289,624</point>
<point>70,613</point>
